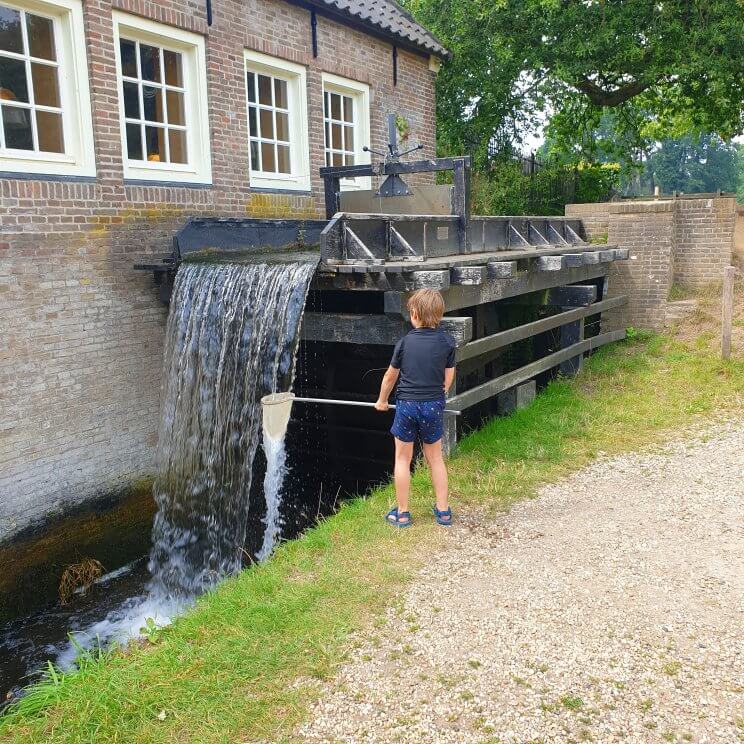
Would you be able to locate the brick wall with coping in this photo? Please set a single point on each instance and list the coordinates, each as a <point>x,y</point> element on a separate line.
<point>81,333</point>
<point>685,241</point>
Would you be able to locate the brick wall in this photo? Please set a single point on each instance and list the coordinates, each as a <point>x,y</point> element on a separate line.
<point>81,333</point>
<point>739,234</point>
<point>685,241</point>
<point>594,217</point>
<point>704,240</point>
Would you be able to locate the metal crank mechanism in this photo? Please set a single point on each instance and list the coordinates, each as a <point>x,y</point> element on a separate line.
<point>393,185</point>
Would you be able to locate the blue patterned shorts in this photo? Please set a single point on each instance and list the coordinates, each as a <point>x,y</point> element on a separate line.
<point>418,417</point>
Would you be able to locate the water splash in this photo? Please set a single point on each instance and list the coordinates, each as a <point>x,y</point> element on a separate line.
<point>231,339</point>
<point>276,469</point>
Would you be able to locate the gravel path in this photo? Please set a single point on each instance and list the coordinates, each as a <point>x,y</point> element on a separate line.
<point>611,609</point>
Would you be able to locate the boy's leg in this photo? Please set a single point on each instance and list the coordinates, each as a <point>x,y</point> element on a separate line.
<point>433,454</point>
<point>402,473</point>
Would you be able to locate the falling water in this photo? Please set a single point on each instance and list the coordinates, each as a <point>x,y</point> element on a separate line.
<point>231,339</point>
<point>276,469</point>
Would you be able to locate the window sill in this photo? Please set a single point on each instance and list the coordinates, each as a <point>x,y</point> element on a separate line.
<point>24,176</point>
<point>167,184</point>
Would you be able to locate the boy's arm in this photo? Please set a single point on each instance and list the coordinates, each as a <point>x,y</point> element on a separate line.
<point>449,378</point>
<point>388,383</point>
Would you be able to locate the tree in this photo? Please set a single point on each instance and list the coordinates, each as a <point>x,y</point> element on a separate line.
<point>694,164</point>
<point>679,64</point>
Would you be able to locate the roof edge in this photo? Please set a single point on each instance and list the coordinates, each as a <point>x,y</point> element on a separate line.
<point>374,29</point>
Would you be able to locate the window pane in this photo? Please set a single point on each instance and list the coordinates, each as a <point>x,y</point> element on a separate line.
<point>131,101</point>
<point>336,136</point>
<point>153,103</point>
<point>40,37</point>
<point>335,106</point>
<point>252,122</point>
<point>155,143</point>
<point>327,134</point>
<point>328,159</point>
<point>177,142</point>
<point>282,127</point>
<point>280,93</point>
<point>11,39</point>
<point>128,52</point>
<point>348,108</point>
<point>255,157</point>
<point>13,85</point>
<point>150,62</point>
<point>134,142</point>
<point>283,158</point>
<point>173,73</point>
<point>267,124</point>
<point>349,160</point>
<point>338,158</point>
<point>176,113</point>
<point>46,90</point>
<point>264,90</point>
<point>250,82</point>
<point>17,126</point>
<point>349,139</point>
<point>49,128</point>
<point>267,157</point>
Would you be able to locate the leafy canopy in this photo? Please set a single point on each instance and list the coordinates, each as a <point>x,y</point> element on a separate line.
<point>667,67</point>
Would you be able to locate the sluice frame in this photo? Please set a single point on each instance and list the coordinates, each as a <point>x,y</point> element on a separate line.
<point>524,296</point>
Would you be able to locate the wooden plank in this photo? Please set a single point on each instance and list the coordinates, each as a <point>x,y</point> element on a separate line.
<point>478,394</point>
<point>505,338</point>
<point>373,329</point>
<point>727,311</point>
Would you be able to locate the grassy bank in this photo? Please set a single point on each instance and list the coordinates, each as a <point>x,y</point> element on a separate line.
<point>240,666</point>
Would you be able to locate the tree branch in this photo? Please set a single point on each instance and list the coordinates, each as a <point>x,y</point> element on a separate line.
<point>600,97</point>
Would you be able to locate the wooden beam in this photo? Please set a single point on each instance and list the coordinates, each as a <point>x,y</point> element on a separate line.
<point>488,389</point>
<point>373,329</point>
<point>505,338</point>
<point>549,263</point>
<point>431,279</point>
<point>501,269</point>
<point>468,275</point>
<point>578,295</point>
<point>460,296</point>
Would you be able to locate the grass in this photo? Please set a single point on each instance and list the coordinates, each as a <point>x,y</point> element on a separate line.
<point>244,664</point>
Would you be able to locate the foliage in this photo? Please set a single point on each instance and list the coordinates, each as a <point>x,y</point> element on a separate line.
<point>504,188</point>
<point>243,664</point>
<point>694,165</point>
<point>666,68</point>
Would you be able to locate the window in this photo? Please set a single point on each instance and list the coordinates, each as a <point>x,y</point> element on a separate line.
<point>346,125</point>
<point>162,95</point>
<point>277,123</point>
<point>45,125</point>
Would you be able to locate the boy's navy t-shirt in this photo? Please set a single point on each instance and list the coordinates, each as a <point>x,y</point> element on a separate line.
<point>422,355</point>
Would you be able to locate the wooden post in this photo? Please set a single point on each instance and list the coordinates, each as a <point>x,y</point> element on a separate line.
<point>727,311</point>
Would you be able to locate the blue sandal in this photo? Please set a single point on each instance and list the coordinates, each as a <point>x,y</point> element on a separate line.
<point>393,517</point>
<point>443,517</point>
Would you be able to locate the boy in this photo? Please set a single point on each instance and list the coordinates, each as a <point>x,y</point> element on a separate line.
<point>424,359</point>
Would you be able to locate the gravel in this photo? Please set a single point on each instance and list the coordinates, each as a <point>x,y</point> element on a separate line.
<point>609,609</point>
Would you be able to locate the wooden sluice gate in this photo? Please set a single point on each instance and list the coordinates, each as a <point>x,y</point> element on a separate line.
<point>524,298</point>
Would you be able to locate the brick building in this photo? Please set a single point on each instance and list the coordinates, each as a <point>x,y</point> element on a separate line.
<point>118,121</point>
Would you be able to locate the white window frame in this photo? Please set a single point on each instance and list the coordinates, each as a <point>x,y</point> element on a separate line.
<point>299,148</point>
<point>77,127</point>
<point>359,92</point>
<point>192,49</point>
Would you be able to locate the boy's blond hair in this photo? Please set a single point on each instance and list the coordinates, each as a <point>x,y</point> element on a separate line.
<point>428,304</point>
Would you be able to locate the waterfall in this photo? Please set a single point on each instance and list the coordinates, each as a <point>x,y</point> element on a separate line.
<point>231,339</point>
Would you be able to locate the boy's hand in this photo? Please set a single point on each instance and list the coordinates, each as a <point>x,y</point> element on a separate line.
<point>382,405</point>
